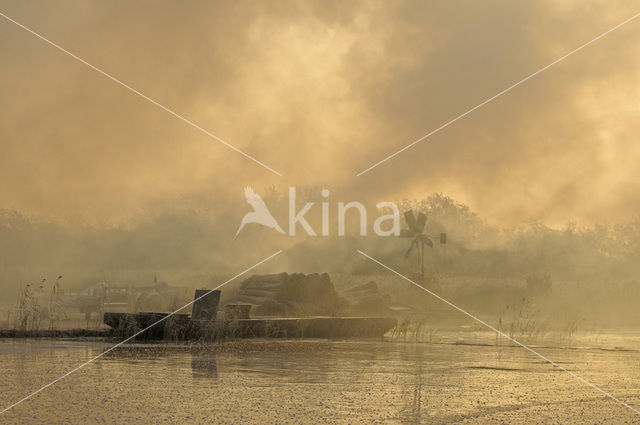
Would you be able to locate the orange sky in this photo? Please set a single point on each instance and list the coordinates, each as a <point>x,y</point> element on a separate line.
<point>320,91</point>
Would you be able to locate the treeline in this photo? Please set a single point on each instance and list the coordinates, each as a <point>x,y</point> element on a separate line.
<point>192,241</point>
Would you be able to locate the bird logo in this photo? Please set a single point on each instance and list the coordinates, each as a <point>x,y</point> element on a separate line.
<point>260,213</point>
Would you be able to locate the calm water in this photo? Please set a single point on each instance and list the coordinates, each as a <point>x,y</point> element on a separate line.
<point>318,382</point>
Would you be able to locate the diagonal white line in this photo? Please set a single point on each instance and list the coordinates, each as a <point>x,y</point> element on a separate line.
<point>134,335</point>
<point>175,114</point>
<point>502,334</point>
<point>496,96</point>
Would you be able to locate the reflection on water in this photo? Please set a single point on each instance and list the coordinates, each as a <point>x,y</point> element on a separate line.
<point>204,366</point>
<point>412,412</point>
<point>314,381</point>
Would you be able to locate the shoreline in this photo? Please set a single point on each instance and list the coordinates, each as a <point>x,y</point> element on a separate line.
<point>56,333</point>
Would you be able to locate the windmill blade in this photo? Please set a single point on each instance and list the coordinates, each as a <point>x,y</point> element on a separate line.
<point>406,233</point>
<point>413,242</point>
<point>426,240</point>
<point>411,221</point>
<point>420,222</point>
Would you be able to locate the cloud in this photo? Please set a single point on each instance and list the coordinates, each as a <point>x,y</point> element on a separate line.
<point>320,91</point>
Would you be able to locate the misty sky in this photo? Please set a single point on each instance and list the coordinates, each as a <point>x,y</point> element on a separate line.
<point>320,91</point>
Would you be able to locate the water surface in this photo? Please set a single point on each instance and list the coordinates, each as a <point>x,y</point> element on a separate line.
<point>317,382</point>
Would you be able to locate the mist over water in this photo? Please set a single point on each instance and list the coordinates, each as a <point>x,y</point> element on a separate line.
<point>108,203</point>
<point>592,270</point>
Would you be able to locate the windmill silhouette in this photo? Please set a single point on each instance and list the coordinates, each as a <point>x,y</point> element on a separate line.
<point>260,213</point>
<point>418,238</point>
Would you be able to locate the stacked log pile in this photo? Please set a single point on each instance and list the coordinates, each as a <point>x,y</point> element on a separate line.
<point>290,295</point>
